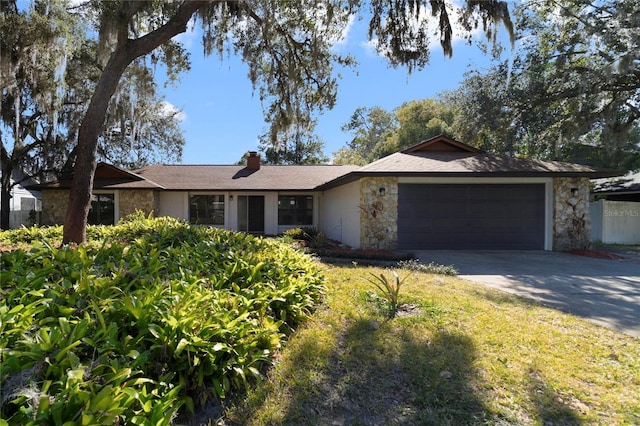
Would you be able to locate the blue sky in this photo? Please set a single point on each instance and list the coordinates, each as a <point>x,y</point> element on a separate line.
<point>223,117</point>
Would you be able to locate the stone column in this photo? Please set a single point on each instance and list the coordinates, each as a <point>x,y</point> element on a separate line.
<point>379,213</point>
<point>571,220</point>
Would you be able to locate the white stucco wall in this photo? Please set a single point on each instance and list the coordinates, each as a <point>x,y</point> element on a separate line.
<point>173,204</point>
<point>615,222</point>
<point>340,214</point>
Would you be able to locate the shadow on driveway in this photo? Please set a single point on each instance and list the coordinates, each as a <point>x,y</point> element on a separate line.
<point>604,291</point>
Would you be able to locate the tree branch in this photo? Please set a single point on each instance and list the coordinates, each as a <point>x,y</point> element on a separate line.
<point>174,26</point>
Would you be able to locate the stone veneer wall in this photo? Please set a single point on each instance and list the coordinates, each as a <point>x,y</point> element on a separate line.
<point>571,220</point>
<point>137,199</point>
<point>379,213</point>
<point>54,206</point>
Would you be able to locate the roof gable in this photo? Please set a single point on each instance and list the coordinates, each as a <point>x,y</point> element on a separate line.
<point>106,176</point>
<point>108,171</point>
<point>440,143</point>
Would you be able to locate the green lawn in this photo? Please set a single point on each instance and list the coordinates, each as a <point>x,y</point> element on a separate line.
<point>458,353</point>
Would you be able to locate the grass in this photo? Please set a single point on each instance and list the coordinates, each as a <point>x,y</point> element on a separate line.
<point>463,354</point>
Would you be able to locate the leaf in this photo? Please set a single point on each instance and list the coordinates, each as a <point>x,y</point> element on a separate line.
<point>219,347</point>
<point>76,374</point>
<point>181,345</point>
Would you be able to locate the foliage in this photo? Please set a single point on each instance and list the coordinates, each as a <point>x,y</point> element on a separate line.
<point>302,234</point>
<point>378,133</point>
<point>370,128</point>
<point>420,120</point>
<point>569,93</point>
<point>48,71</point>
<point>294,146</point>
<point>154,317</point>
<point>389,290</point>
<point>430,268</point>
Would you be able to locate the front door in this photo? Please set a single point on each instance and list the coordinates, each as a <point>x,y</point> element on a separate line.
<point>251,214</point>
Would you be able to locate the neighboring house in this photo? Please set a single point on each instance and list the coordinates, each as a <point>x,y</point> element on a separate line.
<point>24,204</point>
<point>616,210</point>
<point>619,188</point>
<point>439,194</point>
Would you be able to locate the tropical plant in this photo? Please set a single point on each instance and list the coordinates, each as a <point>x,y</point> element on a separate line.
<point>388,290</point>
<point>151,319</point>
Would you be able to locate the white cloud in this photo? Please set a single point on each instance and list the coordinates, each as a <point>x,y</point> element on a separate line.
<point>168,110</point>
<point>343,38</point>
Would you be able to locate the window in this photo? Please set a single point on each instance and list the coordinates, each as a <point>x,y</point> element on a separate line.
<point>102,210</point>
<point>295,210</point>
<point>206,209</point>
<point>27,204</point>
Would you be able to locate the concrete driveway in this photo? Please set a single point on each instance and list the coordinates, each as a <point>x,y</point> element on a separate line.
<point>604,291</point>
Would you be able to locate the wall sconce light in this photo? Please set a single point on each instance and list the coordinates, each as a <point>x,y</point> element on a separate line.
<point>574,191</point>
<point>382,190</point>
<point>231,197</point>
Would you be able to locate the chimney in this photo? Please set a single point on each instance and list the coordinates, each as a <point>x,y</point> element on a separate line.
<point>253,161</point>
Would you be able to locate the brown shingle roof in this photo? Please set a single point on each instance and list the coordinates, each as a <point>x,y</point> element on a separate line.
<point>438,156</point>
<point>629,183</point>
<point>465,162</point>
<point>239,178</point>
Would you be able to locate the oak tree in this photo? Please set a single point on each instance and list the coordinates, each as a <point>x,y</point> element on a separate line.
<point>286,44</point>
<point>572,90</point>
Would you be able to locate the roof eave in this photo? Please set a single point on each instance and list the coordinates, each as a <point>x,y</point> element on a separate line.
<point>353,176</point>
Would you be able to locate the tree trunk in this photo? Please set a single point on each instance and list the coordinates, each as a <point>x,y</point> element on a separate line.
<point>75,221</point>
<point>5,212</point>
<point>5,189</point>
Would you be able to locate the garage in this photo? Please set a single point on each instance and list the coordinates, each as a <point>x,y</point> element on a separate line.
<point>471,216</point>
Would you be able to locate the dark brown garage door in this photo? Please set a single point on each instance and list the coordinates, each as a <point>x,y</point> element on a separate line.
<point>471,217</point>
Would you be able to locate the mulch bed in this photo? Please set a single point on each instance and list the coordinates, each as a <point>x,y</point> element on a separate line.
<point>595,254</point>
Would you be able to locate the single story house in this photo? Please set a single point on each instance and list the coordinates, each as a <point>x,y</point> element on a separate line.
<point>438,194</point>
<point>24,202</point>
<point>620,188</point>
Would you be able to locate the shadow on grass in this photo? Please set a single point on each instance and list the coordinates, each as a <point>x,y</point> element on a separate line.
<point>378,378</point>
<point>551,408</point>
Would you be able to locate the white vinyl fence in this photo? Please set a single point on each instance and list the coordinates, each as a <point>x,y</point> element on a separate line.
<point>615,222</point>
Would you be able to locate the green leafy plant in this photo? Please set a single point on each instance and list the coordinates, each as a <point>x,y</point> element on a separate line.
<point>389,290</point>
<point>151,317</point>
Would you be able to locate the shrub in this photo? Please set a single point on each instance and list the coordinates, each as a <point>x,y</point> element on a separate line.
<point>431,268</point>
<point>302,234</point>
<point>313,237</point>
<point>27,235</point>
<point>129,333</point>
